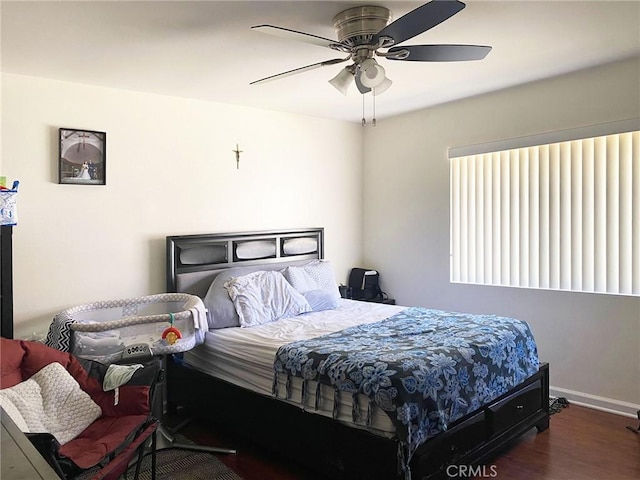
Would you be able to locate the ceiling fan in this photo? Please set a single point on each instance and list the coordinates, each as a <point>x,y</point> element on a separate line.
<point>364,32</point>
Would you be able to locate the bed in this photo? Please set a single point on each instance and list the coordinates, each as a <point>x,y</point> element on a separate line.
<point>283,384</point>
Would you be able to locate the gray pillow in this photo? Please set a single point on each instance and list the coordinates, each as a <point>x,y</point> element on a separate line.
<point>222,312</point>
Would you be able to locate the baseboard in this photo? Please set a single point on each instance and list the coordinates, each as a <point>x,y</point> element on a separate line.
<point>604,404</point>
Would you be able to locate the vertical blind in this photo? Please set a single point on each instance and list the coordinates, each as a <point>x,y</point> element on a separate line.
<point>562,216</point>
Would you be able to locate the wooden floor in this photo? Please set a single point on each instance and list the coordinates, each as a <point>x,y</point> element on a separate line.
<point>581,444</point>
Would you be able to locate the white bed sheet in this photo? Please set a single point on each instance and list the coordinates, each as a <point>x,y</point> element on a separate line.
<point>245,356</point>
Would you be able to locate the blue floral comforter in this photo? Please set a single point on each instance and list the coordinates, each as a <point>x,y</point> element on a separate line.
<point>425,368</point>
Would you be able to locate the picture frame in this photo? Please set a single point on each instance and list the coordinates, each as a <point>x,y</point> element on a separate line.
<point>82,157</point>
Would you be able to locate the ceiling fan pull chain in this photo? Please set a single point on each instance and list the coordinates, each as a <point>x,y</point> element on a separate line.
<point>364,121</point>
<point>374,108</point>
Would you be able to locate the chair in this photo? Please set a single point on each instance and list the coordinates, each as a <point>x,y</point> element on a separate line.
<point>109,444</point>
<point>73,330</point>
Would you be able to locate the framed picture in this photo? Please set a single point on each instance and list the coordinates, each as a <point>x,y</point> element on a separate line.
<point>83,157</point>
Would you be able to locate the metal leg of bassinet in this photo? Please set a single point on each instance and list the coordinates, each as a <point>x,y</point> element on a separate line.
<point>167,440</point>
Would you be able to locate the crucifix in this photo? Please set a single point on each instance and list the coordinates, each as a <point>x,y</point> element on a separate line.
<point>237,151</point>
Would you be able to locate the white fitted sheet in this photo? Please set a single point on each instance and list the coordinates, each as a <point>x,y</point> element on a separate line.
<point>245,356</point>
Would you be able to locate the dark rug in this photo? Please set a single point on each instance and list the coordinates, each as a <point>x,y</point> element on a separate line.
<point>556,404</point>
<point>175,464</point>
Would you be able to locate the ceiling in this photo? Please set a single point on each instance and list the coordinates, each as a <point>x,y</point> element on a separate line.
<point>207,50</point>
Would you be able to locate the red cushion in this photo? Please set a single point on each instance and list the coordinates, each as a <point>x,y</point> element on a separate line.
<point>133,400</point>
<point>100,439</point>
<point>30,357</point>
<point>11,353</point>
<point>21,359</point>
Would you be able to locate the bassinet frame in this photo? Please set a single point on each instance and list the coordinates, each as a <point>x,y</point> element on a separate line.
<point>66,323</point>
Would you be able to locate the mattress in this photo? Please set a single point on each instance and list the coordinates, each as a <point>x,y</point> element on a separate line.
<point>245,356</point>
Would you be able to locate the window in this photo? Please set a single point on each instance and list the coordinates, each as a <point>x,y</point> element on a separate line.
<point>558,211</point>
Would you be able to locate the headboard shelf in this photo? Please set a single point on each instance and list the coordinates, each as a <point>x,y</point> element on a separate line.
<point>201,254</point>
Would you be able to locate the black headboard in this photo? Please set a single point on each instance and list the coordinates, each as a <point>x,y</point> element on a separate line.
<point>193,261</point>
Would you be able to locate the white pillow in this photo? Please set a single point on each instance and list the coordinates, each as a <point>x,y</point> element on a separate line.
<point>222,311</point>
<point>315,275</point>
<point>51,401</point>
<point>321,300</point>
<point>264,297</point>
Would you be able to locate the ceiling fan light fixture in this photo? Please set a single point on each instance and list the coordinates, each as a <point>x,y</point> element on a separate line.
<point>383,87</point>
<point>371,74</point>
<point>361,88</point>
<point>342,80</point>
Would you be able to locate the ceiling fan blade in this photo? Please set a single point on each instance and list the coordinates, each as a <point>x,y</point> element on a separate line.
<point>419,20</point>
<point>295,35</point>
<point>441,53</point>
<point>295,71</point>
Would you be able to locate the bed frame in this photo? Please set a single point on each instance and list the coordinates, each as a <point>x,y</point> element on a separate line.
<point>333,450</point>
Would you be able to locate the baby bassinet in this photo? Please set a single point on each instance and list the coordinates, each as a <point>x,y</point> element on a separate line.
<point>104,331</point>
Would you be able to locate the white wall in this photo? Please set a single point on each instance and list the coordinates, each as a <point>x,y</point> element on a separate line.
<point>591,341</point>
<point>170,171</point>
